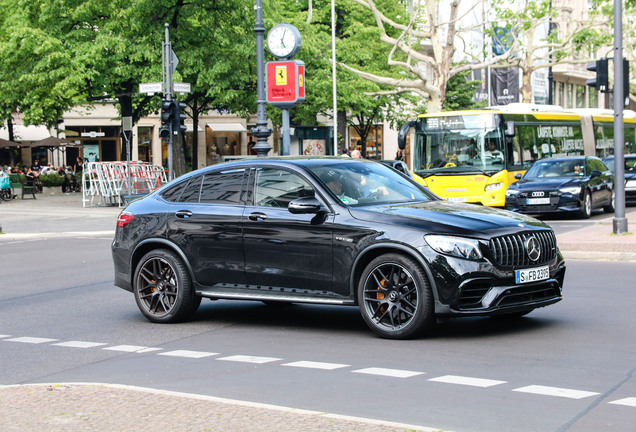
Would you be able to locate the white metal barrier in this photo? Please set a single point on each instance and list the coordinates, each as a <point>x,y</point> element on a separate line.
<point>106,183</point>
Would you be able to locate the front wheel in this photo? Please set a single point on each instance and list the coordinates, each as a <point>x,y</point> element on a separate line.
<point>163,288</point>
<point>586,206</point>
<point>395,297</point>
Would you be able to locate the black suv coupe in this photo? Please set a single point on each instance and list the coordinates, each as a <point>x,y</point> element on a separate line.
<point>332,231</point>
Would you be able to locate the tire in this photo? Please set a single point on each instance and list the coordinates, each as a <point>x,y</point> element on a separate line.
<point>163,288</point>
<point>5,194</point>
<point>395,297</point>
<point>610,208</point>
<point>586,206</point>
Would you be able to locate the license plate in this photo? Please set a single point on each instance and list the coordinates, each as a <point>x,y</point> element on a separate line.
<point>534,201</point>
<point>456,199</point>
<point>532,275</point>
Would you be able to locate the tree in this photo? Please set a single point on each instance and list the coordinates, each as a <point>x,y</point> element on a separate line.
<point>425,36</point>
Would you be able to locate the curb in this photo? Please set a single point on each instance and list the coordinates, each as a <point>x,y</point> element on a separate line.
<point>599,256</point>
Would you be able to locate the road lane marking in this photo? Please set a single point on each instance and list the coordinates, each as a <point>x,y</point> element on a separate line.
<point>31,340</point>
<point>555,391</point>
<point>4,336</point>
<point>249,359</point>
<point>468,381</point>
<point>188,354</point>
<point>79,344</point>
<point>315,365</point>
<point>395,373</point>
<point>630,401</point>
<point>128,348</point>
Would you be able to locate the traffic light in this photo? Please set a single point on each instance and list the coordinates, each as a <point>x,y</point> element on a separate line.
<point>178,120</point>
<point>167,117</point>
<point>600,82</point>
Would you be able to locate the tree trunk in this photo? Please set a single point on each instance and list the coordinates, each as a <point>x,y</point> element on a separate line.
<point>195,134</point>
<point>178,156</point>
<point>342,133</point>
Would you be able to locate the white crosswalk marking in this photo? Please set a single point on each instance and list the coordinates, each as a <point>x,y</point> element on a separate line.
<point>555,391</point>
<point>79,344</point>
<point>630,401</point>
<point>316,365</point>
<point>249,359</point>
<point>4,336</point>
<point>126,348</point>
<point>31,340</point>
<point>462,380</point>
<point>395,373</point>
<point>188,354</point>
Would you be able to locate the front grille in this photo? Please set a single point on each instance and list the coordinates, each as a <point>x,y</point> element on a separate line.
<point>528,294</point>
<point>510,251</point>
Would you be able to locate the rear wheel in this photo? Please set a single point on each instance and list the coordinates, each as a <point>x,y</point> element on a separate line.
<point>163,288</point>
<point>586,206</point>
<point>395,297</point>
<point>5,194</point>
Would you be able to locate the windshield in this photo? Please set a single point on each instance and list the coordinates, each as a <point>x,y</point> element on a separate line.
<point>358,183</point>
<point>556,168</point>
<point>459,144</point>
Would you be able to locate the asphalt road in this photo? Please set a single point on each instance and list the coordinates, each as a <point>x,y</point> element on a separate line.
<point>563,223</point>
<point>568,367</point>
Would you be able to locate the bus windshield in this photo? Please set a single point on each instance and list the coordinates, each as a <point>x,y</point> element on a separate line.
<point>459,144</point>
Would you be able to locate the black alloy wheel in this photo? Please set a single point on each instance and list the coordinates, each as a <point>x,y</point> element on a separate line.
<point>163,288</point>
<point>395,297</point>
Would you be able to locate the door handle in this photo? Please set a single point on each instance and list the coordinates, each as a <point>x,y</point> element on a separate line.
<point>183,214</point>
<point>257,216</point>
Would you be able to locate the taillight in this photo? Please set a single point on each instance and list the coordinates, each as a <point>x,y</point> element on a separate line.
<point>124,219</point>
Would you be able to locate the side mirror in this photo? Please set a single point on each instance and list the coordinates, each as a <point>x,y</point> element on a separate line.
<point>404,131</point>
<point>304,205</point>
<point>595,173</point>
<point>510,129</point>
<point>518,176</point>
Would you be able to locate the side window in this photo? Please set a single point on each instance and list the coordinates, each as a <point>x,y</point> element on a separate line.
<point>174,192</point>
<point>276,188</point>
<point>191,192</point>
<point>223,187</point>
<point>589,166</point>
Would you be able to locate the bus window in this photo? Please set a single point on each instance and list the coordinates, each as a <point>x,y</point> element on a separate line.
<point>604,137</point>
<point>630,140</point>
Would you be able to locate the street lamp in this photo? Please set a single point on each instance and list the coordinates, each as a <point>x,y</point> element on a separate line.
<point>261,131</point>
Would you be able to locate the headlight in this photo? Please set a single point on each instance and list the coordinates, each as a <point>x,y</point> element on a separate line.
<point>512,192</point>
<point>571,190</point>
<point>455,246</point>
<point>494,186</point>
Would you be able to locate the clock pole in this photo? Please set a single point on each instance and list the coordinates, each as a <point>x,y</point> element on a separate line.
<point>261,131</point>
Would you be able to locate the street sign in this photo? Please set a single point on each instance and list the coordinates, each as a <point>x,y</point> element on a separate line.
<point>93,134</point>
<point>155,87</point>
<point>174,61</point>
<point>285,83</point>
<point>180,87</point>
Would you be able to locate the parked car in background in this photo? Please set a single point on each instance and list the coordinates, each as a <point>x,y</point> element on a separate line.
<point>577,184</point>
<point>404,169</point>
<point>336,231</point>
<point>630,176</point>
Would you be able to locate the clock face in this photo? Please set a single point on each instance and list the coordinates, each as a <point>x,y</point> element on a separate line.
<point>283,40</point>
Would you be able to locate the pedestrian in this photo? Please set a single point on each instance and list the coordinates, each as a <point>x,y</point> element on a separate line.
<point>399,156</point>
<point>355,153</point>
<point>346,152</point>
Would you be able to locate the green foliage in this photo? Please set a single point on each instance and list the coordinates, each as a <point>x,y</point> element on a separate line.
<point>460,92</point>
<point>52,179</point>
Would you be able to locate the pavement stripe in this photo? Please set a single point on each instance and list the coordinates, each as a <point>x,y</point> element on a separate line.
<point>630,401</point>
<point>469,381</point>
<point>79,344</point>
<point>316,365</point>
<point>126,348</point>
<point>31,340</point>
<point>188,354</point>
<point>395,373</point>
<point>4,336</point>
<point>555,391</point>
<point>249,359</point>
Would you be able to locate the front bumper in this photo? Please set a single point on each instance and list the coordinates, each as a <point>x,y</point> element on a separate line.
<point>558,204</point>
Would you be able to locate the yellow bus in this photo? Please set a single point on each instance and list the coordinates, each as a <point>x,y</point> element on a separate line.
<point>474,155</point>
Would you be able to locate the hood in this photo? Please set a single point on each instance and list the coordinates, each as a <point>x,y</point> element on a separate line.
<point>446,217</point>
<point>552,183</point>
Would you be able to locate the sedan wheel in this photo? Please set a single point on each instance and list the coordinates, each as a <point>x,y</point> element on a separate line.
<point>586,206</point>
<point>395,297</point>
<point>163,288</point>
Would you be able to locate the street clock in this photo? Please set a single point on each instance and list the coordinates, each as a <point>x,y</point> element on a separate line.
<point>283,40</point>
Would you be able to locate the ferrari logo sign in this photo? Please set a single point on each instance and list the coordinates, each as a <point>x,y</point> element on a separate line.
<point>285,83</point>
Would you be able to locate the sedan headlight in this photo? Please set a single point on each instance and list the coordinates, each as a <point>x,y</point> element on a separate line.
<point>512,192</point>
<point>493,186</point>
<point>571,190</point>
<point>455,246</point>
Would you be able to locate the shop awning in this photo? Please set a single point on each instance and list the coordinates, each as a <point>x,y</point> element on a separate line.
<point>26,133</point>
<point>226,127</point>
<point>190,128</point>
